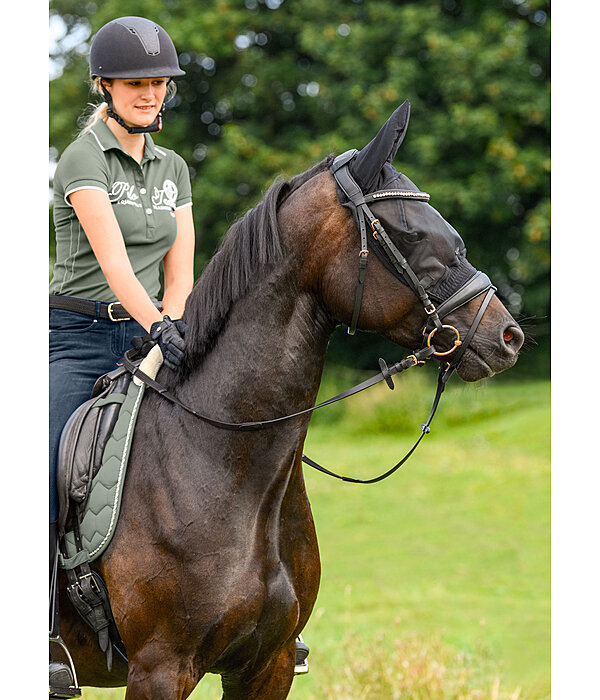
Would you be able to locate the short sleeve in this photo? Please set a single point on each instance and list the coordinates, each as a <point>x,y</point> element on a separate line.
<point>81,166</point>
<point>184,186</point>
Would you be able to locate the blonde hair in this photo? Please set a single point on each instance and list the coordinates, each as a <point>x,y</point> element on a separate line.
<point>96,111</point>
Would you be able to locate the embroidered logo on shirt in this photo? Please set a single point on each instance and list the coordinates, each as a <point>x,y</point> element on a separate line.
<point>167,197</point>
<point>123,193</point>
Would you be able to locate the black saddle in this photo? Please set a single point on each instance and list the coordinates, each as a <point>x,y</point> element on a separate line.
<point>83,440</point>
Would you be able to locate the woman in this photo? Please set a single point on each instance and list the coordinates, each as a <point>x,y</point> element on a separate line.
<point>122,211</point>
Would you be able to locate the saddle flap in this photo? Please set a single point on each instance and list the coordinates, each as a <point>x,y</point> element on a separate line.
<point>87,432</point>
<point>82,443</point>
<point>109,408</point>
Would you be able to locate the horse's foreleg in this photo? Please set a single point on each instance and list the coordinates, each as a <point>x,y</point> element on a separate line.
<point>154,673</point>
<point>273,682</point>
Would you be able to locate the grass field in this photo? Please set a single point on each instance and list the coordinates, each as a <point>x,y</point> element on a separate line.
<point>436,583</point>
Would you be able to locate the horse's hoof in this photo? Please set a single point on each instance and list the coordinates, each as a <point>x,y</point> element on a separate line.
<point>301,654</point>
<point>61,681</point>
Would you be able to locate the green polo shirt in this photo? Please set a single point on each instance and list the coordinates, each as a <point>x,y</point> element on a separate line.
<point>144,197</point>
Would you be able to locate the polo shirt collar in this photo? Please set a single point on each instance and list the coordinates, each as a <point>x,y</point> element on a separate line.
<point>151,151</point>
<point>107,141</point>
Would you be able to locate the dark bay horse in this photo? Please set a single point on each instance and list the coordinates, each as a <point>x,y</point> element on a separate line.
<point>214,566</point>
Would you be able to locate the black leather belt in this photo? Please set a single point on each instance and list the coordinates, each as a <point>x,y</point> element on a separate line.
<point>114,311</point>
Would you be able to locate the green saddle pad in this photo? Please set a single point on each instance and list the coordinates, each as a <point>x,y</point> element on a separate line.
<point>102,508</point>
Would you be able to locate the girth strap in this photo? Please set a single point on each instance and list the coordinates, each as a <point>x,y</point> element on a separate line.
<point>89,596</point>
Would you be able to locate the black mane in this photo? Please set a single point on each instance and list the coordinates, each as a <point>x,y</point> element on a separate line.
<point>250,246</point>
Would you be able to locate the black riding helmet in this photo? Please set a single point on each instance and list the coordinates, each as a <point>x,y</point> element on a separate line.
<point>133,47</point>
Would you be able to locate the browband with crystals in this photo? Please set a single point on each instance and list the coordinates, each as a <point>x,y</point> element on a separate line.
<point>398,194</point>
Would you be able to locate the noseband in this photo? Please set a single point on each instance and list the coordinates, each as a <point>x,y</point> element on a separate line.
<point>400,268</point>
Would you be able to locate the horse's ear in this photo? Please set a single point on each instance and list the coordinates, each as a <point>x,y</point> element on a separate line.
<point>383,148</point>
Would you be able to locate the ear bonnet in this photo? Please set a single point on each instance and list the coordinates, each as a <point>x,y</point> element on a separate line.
<point>407,234</point>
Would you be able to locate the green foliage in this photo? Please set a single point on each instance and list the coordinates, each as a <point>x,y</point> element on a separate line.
<point>272,86</point>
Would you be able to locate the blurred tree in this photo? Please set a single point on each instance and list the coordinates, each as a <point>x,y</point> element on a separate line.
<point>273,86</point>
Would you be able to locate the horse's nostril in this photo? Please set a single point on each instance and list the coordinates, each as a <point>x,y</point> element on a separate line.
<point>513,337</point>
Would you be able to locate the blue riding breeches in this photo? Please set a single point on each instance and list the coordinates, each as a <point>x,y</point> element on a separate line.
<point>82,348</point>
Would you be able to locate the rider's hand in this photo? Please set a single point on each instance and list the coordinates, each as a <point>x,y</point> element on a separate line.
<point>169,336</point>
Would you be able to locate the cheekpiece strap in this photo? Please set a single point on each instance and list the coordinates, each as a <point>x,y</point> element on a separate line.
<point>362,214</point>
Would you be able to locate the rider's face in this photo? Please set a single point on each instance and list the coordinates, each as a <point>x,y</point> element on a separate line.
<point>137,100</point>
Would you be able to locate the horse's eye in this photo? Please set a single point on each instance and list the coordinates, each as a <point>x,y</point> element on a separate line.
<point>411,236</point>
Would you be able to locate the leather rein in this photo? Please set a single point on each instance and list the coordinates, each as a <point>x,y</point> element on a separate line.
<point>476,285</point>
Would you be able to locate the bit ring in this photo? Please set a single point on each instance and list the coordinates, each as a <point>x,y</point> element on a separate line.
<point>457,342</point>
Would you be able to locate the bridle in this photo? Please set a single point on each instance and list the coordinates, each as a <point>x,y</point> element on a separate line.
<point>478,283</point>
<point>367,223</point>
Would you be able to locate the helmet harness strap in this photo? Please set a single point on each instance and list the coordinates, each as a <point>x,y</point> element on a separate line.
<point>152,128</point>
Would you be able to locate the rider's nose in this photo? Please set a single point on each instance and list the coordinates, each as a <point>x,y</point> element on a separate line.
<point>513,337</point>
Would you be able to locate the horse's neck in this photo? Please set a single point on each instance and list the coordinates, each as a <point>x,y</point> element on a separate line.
<point>269,357</point>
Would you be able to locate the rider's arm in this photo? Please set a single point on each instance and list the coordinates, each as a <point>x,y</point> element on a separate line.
<point>179,265</point>
<point>95,213</point>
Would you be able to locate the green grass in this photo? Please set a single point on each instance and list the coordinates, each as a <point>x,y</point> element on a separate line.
<point>436,582</point>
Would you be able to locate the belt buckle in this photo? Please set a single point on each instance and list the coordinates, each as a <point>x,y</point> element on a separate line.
<point>110,309</point>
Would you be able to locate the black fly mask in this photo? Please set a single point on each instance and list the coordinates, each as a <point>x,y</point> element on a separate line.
<point>408,235</point>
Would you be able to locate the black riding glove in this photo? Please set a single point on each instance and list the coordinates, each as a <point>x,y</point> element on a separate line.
<point>169,336</point>
<point>143,344</point>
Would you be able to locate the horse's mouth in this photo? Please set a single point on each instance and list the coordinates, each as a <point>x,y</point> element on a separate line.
<point>472,367</point>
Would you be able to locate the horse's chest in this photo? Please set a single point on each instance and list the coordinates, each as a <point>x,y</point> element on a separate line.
<point>269,595</point>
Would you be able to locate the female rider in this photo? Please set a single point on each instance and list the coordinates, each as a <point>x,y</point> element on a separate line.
<point>122,211</point>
